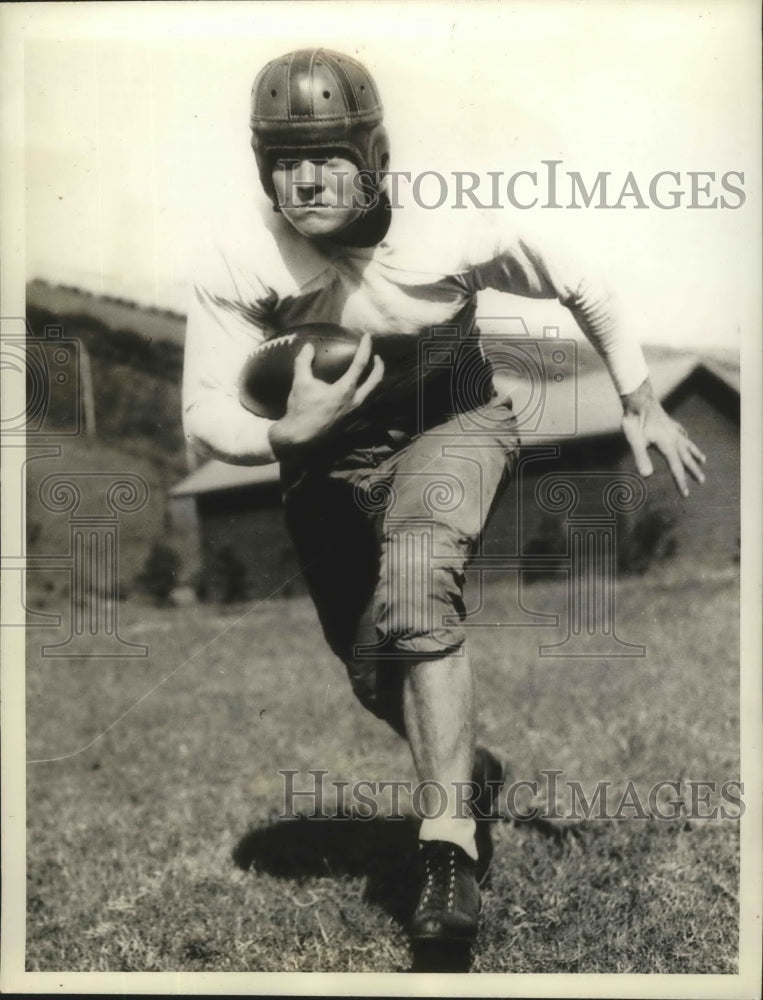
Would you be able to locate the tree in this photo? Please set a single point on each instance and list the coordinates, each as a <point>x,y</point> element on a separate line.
<point>157,579</point>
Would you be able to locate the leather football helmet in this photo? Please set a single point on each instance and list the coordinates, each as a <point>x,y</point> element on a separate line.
<point>315,101</point>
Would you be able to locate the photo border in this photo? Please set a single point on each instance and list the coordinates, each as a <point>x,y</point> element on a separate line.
<point>25,21</point>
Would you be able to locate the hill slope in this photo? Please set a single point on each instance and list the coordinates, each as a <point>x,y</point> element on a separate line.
<point>154,324</point>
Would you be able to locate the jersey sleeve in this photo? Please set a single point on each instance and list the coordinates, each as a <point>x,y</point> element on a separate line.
<point>547,267</point>
<point>226,321</point>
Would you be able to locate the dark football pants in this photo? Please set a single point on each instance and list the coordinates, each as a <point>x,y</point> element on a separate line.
<point>384,534</point>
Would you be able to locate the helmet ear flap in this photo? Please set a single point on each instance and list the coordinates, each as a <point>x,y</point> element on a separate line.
<point>265,170</point>
<point>378,150</point>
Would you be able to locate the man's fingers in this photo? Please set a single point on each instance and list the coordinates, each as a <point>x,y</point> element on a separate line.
<point>700,457</point>
<point>374,378</point>
<point>303,363</point>
<point>671,439</point>
<point>688,459</point>
<point>635,438</point>
<point>359,362</point>
<point>676,466</point>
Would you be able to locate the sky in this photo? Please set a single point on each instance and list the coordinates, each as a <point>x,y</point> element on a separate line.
<point>136,131</point>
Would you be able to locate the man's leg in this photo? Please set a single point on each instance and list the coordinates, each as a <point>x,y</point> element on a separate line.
<point>443,488</point>
<point>438,705</point>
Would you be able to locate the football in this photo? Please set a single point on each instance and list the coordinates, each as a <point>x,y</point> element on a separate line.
<point>268,373</point>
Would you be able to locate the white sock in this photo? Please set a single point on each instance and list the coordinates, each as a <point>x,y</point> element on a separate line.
<point>454,831</point>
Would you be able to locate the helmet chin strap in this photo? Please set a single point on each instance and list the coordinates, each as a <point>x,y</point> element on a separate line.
<point>369,228</point>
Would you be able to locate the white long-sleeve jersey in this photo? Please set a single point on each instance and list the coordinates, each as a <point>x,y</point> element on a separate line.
<point>426,272</point>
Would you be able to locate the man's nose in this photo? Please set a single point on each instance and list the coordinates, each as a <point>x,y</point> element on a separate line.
<point>307,173</point>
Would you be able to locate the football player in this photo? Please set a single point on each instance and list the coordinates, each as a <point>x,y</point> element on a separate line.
<point>388,476</point>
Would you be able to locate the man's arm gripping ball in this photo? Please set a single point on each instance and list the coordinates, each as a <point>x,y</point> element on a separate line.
<point>645,423</point>
<point>314,407</point>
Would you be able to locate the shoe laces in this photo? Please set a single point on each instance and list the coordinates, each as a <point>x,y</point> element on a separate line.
<point>439,876</point>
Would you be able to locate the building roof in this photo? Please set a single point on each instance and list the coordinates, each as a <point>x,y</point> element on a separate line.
<point>214,475</point>
<point>575,408</point>
<point>587,406</point>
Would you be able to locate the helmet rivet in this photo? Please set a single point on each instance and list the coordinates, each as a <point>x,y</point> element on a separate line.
<point>272,93</point>
<point>362,88</point>
<point>326,94</point>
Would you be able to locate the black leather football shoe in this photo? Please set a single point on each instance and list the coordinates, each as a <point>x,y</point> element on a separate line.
<point>488,774</point>
<point>449,905</point>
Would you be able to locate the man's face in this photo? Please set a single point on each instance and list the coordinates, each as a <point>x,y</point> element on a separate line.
<point>318,196</point>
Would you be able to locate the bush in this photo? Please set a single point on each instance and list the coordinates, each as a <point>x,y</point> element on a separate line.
<point>226,579</point>
<point>644,540</point>
<point>159,573</point>
<point>550,539</point>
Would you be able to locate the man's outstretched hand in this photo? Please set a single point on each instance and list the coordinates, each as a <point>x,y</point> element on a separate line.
<point>645,423</point>
<point>314,407</point>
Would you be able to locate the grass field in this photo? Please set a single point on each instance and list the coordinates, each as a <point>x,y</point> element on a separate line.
<point>158,847</point>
